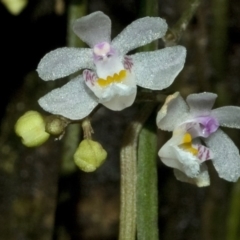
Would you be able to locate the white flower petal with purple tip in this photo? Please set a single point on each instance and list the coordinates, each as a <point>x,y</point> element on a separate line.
<point>194,123</point>
<point>202,126</point>
<point>108,73</point>
<point>181,153</point>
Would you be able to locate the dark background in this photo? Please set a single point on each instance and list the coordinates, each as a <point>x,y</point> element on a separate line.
<point>40,198</point>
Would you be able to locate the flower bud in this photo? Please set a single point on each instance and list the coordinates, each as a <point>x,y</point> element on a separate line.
<point>15,7</point>
<point>89,155</point>
<point>55,125</point>
<point>31,128</point>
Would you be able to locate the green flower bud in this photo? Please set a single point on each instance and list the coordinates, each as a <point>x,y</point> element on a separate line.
<point>15,7</point>
<point>55,125</point>
<point>31,128</point>
<point>89,155</point>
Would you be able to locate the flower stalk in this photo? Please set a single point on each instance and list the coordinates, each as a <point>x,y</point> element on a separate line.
<point>173,35</point>
<point>147,187</point>
<point>233,219</point>
<point>129,174</point>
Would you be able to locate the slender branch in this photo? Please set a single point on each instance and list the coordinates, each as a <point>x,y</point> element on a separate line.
<point>174,34</point>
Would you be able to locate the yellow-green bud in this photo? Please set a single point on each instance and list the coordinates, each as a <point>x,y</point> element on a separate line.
<point>31,128</point>
<point>15,7</point>
<point>55,125</point>
<point>89,155</point>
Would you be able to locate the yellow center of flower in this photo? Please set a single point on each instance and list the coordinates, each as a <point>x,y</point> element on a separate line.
<point>187,144</point>
<point>116,78</point>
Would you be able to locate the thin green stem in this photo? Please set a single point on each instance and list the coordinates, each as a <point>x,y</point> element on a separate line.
<point>233,220</point>
<point>147,191</point>
<point>174,34</point>
<point>77,9</point>
<point>219,41</point>
<point>129,174</point>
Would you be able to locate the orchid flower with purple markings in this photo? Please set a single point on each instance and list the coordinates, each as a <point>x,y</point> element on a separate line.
<point>197,137</point>
<point>110,77</point>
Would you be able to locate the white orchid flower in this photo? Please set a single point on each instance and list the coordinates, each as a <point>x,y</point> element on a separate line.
<point>110,77</point>
<point>197,138</point>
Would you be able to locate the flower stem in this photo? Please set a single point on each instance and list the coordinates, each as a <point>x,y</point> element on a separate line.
<point>129,174</point>
<point>173,35</point>
<point>76,9</point>
<point>147,191</point>
<point>233,219</point>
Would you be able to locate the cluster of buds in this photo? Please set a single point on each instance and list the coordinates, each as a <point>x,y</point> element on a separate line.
<point>35,129</point>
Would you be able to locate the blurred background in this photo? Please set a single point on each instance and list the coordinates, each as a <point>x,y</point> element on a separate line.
<point>43,195</point>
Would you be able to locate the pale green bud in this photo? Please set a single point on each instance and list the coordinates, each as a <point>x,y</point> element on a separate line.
<point>15,7</point>
<point>55,125</point>
<point>89,155</point>
<point>31,128</point>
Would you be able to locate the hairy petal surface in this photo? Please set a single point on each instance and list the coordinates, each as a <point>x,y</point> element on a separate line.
<point>201,103</point>
<point>202,180</point>
<point>93,28</point>
<point>73,100</point>
<point>168,155</point>
<point>227,116</point>
<point>175,157</point>
<point>190,163</point>
<point>172,113</point>
<point>120,102</point>
<point>139,33</point>
<point>226,158</point>
<point>63,62</point>
<point>157,70</point>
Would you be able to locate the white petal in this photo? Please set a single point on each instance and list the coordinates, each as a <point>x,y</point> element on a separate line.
<point>190,163</point>
<point>93,28</point>
<point>226,158</point>
<point>168,155</point>
<point>172,113</point>
<point>227,116</point>
<point>74,100</point>
<point>109,67</point>
<point>139,33</point>
<point>201,103</point>
<point>118,102</point>
<point>202,180</point>
<point>175,157</point>
<point>116,95</point>
<point>157,69</point>
<point>63,62</point>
